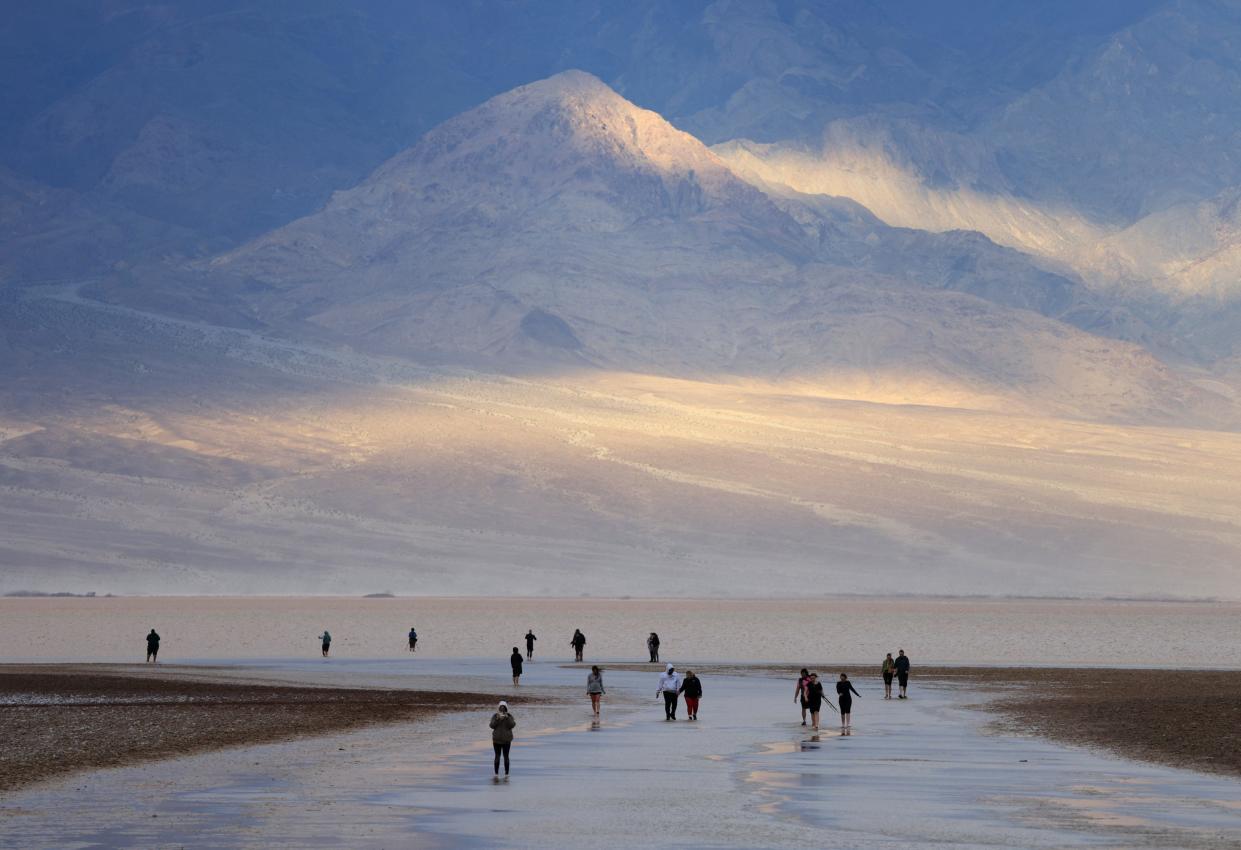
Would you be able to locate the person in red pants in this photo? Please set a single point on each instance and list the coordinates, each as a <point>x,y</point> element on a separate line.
<point>691,689</point>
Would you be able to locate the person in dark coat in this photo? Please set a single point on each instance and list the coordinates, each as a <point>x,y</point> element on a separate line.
<point>902,673</point>
<point>152,646</point>
<point>515,661</point>
<point>691,689</point>
<point>502,724</point>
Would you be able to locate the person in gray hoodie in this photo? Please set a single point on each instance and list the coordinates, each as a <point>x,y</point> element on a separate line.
<point>502,724</point>
<point>669,687</point>
<point>594,687</point>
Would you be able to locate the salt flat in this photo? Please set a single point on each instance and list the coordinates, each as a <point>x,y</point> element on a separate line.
<point>921,773</point>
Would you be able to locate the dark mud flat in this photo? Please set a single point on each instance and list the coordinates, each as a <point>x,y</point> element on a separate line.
<point>55,721</point>
<point>1181,718</point>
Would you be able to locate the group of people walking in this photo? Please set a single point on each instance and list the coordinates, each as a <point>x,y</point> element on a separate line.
<point>900,667</point>
<point>672,687</point>
<point>809,692</point>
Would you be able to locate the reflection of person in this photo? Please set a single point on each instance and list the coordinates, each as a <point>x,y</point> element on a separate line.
<point>514,661</point>
<point>652,646</point>
<point>326,639</point>
<point>530,639</point>
<point>889,668</point>
<point>902,672</point>
<point>577,642</point>
<point>413,640</point>
<point>594,687</point>
<point>669,686</point>
<point>502,724</point>
<point>692,689</point>
<point>799,693</point>
<point>152,646</point>
<point>844,695</point>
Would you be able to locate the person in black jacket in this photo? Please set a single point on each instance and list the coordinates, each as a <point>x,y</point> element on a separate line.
<point>652,646</point>
<point>902,673</point>
<point>530,639</point>
<point>578,643</point>
<point>515,661</point>
<point>691,689</point>
<point>152,646</point>
<point>815,699</point>
<point>844,695</point>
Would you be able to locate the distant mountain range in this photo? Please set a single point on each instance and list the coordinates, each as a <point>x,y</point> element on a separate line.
<point>409,297</point>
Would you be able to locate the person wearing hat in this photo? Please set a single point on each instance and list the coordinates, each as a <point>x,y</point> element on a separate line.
<point>670,686</point>
<point>502,724</point>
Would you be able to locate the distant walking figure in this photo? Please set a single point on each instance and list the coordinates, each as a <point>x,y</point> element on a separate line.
<point>578,642</point>
<point>515,661</point>
<point>502,724</point>
<point>594,687</point>
<point>326,639</point>
<point>800,695</point>
<point>530,639</point>
<point>845,693</point>
<point>902,672</point>
<point>652,646</point>
<point>889,669</point>
<point>669,687</point>
<point>692,689</point>
<point>152,646</point>
<point>815,698</point>
<point>413,639</point>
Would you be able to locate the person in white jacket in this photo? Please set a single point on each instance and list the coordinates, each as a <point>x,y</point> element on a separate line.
<point>670,686</point>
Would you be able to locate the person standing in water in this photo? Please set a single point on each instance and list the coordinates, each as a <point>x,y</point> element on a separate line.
<point>502,724</point>
<point>844,695</point>
<point>902,672</point>
<point>691,688</point>
<point>326,640</point>
<point>530,639</point>
<point>815,699</point>
<point>800,695</point>
<point>515,661</point>
<point>413,639</point>
<point>652,646</point>
<point>594,688</point>
<point>669,687</point>
<point>152,646</point>
<point>889,669</point>
<point>578,642</point>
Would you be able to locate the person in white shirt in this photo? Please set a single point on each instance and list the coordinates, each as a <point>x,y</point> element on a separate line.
<point>669,686</point>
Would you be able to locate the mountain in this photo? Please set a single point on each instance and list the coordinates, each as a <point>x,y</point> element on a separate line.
<point>561,225</point>
<point>294,296</point>
<point>230,118</point>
